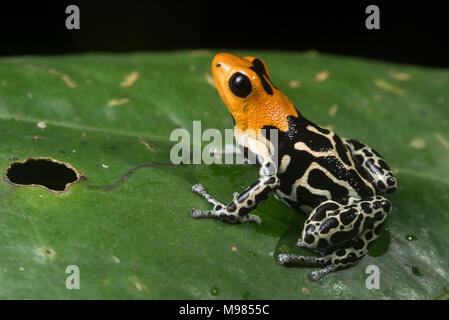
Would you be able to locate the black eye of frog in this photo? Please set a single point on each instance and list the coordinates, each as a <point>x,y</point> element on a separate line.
<point>240,85</point>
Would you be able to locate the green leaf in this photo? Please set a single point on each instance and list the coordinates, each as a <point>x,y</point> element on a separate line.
<point>135,239</point>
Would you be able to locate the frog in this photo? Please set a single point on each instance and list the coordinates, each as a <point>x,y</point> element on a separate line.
<point>338,183</point>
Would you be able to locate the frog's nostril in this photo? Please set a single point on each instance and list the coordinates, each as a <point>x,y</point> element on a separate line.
<point>218,65</point>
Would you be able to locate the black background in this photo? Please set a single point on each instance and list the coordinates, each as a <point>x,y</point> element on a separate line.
<point>410,32</point>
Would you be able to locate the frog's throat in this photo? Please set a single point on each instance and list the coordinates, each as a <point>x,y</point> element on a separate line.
<point>262,115</point>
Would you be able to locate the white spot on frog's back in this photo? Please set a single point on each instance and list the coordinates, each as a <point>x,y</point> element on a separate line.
<point>303,147</point>
<point>285,161</point>
<point>313,129</point>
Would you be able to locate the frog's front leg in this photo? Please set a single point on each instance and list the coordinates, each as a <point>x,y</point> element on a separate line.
<point>238,211</point>
<point>341,232</point>
<point>230,150</point>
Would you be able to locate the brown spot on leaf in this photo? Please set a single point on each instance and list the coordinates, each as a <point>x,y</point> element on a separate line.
<point>418,143</point>
<point>209,79</point>
<point>54,72</point>
<point>399,76</point>
<point>147,145</point>
<point>48,252</point>
<point>117,102</point>
<point>200,53</point>
<point>68,82</point>
<point>384,85</point>
<point>333,110</point>
<point>42,125</point>
<point>294,84</point>
<point>305,290</point>
<point>442,141</point>
<point>130,79</point>
<point>138,284</point>
<point>322,76</point>
<point>32,67</point>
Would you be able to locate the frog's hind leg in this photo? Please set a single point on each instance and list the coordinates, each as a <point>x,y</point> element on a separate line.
<point>342,232</point>
<point>373,165</point>
<point>324,261</point>
<point>353,251</point>
<point>285,258</point>
<point>348,255</point>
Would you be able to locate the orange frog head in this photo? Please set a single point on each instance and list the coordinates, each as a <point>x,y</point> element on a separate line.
<point>245,87</point>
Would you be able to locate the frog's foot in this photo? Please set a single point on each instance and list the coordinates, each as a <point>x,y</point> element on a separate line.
<point>343,232</point>
<point>219,209</point>
<point>199,189</point>
<point>317,275</point>
<point>285,258</point>
<point>222,215</point>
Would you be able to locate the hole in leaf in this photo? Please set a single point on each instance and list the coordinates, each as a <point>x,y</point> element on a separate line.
<point>49,173</point>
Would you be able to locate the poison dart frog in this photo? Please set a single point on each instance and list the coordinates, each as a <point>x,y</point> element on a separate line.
<point>337,182</point>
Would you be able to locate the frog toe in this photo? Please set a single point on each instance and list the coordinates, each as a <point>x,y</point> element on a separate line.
<point>198,188</point>
<point>197,213</point>
<point>283,258</point>
<point>250,218</point>
<point>319,274</point>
